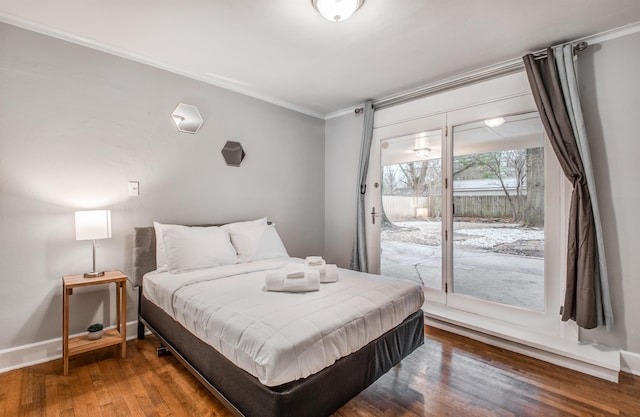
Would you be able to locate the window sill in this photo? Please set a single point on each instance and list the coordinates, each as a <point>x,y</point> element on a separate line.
<point>595,360</point>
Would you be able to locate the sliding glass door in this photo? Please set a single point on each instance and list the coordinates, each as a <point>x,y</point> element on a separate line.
<point>405,233</point>
<point>498,210</point>
<point>411,224</point>
<point>469,204</point>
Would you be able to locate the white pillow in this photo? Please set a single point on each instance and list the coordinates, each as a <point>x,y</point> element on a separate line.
<point>196,247</point>
<point>256,240</point>
<point>239,225</point>
<point>245,236</point>
<point>161,255</point>
<point>269,245</point>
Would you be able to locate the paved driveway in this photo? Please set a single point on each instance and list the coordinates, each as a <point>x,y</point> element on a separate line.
<point>500,263</point>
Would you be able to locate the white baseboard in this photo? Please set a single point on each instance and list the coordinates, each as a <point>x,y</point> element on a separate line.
<point>590,359</point>
<point>630,362</point>
<point>45,351</point>
<point>40,352</point>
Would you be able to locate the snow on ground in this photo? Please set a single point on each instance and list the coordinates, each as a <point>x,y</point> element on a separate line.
<point>490,237</point>
<point>484,263</point>
<point>471,234</point>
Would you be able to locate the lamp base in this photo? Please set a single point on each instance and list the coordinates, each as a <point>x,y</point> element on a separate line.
<point>93,274</point>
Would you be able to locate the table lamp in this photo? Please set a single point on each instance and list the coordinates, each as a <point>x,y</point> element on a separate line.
<point>93,225</point>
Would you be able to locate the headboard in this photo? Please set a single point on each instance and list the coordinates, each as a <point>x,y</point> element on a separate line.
<point>144,253</point>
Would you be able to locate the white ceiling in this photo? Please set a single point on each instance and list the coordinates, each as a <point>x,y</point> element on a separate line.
<point>284,52</point>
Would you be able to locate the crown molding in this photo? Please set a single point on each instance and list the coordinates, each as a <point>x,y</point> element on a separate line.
<point>496,69</point>
<point>343,112</point>
<point>491,71</point>
<point>611,34</point>
<point>14,20</point>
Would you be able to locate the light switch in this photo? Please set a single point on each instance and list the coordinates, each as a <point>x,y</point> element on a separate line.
<point>134,188</point>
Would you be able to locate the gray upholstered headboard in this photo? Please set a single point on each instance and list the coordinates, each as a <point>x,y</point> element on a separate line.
<point>144,253</point>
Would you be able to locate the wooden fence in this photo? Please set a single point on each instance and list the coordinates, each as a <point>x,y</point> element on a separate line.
<point>485,206</point>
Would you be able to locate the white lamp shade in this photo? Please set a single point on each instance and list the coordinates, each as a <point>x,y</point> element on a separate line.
<point>93,224</point>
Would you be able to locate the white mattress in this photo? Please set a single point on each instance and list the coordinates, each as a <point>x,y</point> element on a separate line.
<point>282,337</point>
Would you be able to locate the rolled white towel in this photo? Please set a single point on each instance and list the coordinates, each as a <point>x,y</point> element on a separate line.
<point>294,271</point>
<point>294,275</point>
<point>330,274</point>
<point>275,281</point>
<point>314,261</point>
<point>317,263</point>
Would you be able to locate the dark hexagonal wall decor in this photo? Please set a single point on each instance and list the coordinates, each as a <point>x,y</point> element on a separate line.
<point>233,153</point>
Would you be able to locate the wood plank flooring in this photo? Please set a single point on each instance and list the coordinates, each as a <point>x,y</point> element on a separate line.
<point>449,376</point>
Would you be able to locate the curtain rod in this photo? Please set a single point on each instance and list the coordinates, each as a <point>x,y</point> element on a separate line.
<point>509,67</point>
<point>579,47</point>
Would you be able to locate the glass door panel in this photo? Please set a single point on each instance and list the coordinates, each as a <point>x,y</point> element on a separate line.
<point>498,211</point>
<point>411,216</point>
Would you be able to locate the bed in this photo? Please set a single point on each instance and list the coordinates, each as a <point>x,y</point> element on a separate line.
<point>199,314</point>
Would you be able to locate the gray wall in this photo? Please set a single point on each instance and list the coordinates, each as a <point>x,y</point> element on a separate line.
<point>610,91</point>
<point>342,153</point>
<point>77,124</point>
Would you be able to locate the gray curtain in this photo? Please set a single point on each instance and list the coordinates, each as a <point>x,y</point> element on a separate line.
<point>359,260</point>
<point>565,62</point>
<point>584,301</point>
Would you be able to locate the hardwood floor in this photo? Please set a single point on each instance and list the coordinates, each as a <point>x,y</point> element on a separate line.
<point>449,376</point>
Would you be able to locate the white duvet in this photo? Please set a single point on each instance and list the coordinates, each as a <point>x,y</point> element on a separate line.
<point>281,337</point>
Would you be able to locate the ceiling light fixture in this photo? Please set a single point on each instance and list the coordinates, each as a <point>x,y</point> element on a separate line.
<point>497,122</point>
<point>337,10</point>
<point>422,152</point>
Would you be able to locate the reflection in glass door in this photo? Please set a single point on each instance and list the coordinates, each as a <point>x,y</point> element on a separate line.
<point>411,221</point>
<point>498,210</point>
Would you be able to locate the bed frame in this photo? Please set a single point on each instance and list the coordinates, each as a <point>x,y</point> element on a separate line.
<point>317,395</point>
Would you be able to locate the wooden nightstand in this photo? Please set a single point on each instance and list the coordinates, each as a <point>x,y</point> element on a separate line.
<point>81,344</point>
